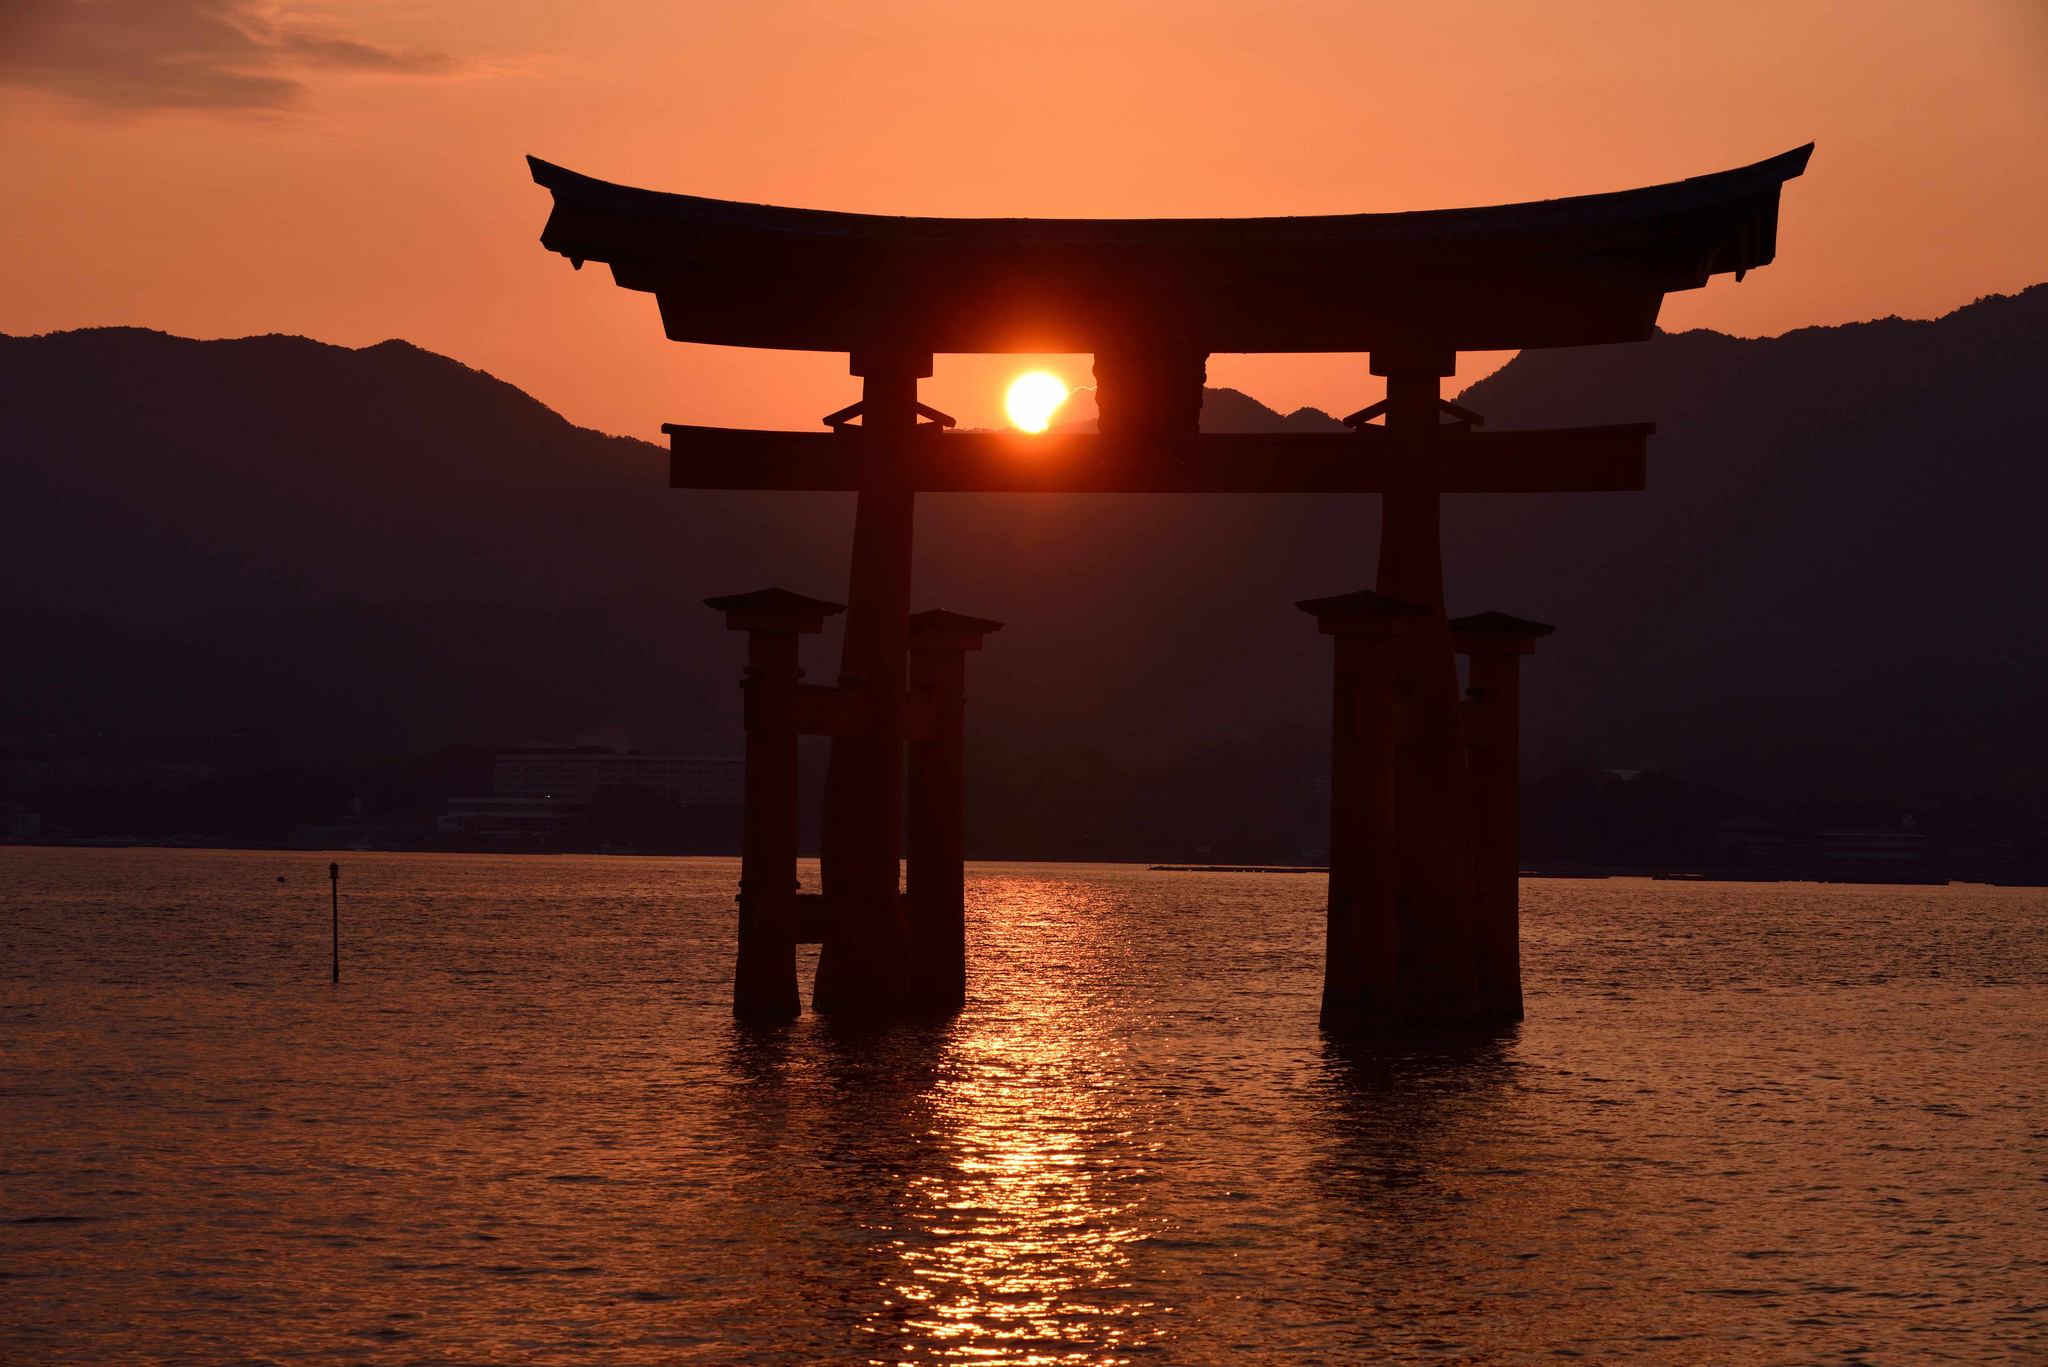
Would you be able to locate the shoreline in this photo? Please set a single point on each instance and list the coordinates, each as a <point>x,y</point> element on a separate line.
<point>1935,876</point>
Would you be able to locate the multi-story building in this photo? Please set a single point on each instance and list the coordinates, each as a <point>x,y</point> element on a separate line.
<point>539,791</point>
<point>572,774</point>
<point>1888,846</point>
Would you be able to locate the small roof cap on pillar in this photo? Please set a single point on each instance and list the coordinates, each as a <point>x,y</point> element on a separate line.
<point>943,630</point>
<point>1496,633</point>
<point>774,609</point>
<point>1360,612</point>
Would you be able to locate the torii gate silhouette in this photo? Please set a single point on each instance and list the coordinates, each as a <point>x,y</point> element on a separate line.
<point>1423,918</point>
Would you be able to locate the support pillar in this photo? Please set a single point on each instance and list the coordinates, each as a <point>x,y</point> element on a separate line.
<point>1433,885</point>
<point>936,868</point>
<point>1150,390</point>
<point>1361,951</point>
<point>865,963</point>
<point>764,969</point>
<point>1496,643</point>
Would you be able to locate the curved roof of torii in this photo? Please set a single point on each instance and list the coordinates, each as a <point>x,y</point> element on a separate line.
<point>1556,272</point>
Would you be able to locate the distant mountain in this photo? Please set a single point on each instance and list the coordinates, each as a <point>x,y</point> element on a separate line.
<point>1835,583</point>
<point>154,478</point>
<point>367,551</point>
<point>1223,410</point>
<point>352,680</point>
<point>1832,585</point>
<point>1227,410</point>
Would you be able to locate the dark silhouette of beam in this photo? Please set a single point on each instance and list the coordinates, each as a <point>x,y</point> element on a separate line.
<point>1562,460</point>
<point>1555,272</point>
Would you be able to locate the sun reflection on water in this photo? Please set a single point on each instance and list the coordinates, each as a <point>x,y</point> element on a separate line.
<point>1029,1228</point>
<point>1743,1121</point>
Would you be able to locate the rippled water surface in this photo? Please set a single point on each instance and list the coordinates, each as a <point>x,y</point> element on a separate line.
<point>1782,1123</point>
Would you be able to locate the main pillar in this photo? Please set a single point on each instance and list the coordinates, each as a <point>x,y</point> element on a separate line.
<point>1496,643</point>
<point>764,969</point>
<point>1433,884</point>
<point>1361,949</point>
<point>865,964</point>
<point>935,872</point>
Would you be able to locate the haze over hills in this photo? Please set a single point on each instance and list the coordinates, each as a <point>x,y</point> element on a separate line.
<point>1831,585</point>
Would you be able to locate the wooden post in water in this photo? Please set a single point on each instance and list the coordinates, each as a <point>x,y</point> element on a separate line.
<point>1361,949</point>
<point>865,961</point>
<point>1433,864</point>
<point>334,893</point>
<point>935,873</point>
<point>1496,643</point>
<point>764,983</point>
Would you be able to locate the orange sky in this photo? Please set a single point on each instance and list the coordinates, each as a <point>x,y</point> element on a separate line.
<point>351,170</point>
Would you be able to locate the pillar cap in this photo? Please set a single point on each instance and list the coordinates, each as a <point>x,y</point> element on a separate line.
<point>943,630</point>
<point>1414,358</point>
<point>1496,633</point>
<point>1363,613</point>
<point>884,359</point>
<point>774,609</point>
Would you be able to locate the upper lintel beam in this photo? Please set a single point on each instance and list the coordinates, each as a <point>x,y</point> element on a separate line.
<point>1561,272</point>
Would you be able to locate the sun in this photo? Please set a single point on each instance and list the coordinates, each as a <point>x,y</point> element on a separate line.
<point>1033,399</point>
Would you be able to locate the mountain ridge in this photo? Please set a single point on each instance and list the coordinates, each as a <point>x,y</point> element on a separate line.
<point>1811,495</point>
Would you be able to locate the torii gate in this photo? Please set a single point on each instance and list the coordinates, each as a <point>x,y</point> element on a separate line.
<point>1422,929</point>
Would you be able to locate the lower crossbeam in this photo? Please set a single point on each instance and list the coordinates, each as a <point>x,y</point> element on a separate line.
<point>1561,460</point>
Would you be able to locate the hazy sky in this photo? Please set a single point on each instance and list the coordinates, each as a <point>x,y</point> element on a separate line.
<point>351,170</point>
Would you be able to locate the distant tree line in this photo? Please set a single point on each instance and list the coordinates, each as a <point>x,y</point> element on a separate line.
<point>1263,801</point>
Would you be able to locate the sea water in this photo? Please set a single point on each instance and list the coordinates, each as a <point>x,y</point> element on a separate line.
<point>1771,1123</point>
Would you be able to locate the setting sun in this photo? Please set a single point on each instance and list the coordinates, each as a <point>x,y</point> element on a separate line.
<point>1033,399</point>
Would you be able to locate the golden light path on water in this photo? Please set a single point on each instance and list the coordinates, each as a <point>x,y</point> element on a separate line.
<point>1756,1122</point>
<point>1035,1230</point>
